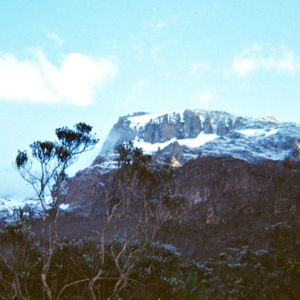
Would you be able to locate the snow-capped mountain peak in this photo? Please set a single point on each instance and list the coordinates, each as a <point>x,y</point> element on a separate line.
<point>205,132</point>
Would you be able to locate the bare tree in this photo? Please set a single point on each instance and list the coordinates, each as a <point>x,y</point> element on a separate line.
<point>53,159</point>
<point>136,205</point>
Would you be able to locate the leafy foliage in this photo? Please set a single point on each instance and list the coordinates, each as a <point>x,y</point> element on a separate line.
<point>263,274</point>
<point>76,140</point>
<point>77,260</point>
<point>161,272</point>
<point>21,159</point>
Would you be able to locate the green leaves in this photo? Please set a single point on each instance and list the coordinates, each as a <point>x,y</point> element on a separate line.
<point>130,155</point>
<point>83,128</point>
<point>141,165</point>
<point>174,202</point>
<point>71,143</point>
<point>198,292</point>
<point>191,290</point>
<point>190,283</point>
<point>62,153</point>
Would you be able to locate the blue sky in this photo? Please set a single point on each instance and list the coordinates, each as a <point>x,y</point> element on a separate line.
<point>64,62</point>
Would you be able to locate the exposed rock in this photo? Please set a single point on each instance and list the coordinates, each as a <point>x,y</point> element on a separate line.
<point>270,119</point>
<point>192,125</point>
<point>218,187</point>
<point>295,153</point>
<point>228,195</point>
<point>232,194</point>
<point>98,160</point>
<point>218,133</point>
<point>175,163</point>
<point>174,150</point>
<point>207,127</point>
<point>219,190</point>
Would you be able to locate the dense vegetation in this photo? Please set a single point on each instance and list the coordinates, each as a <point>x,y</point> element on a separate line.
<point>160,273</point>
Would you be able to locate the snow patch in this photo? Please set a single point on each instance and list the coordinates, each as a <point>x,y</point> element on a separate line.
<point>64,206</point>
<point>252,132</point>
<point>272,131</point>
<point>150,148</point>
<point>200,140</point>
<point>258,132</point>
<point>8,206</point>
<point>141,121</point>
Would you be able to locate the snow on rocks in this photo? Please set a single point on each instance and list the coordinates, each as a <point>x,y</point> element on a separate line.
<point>206,132</point>
<point>10,207</point>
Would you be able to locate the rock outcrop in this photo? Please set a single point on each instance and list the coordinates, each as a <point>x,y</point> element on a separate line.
<point>232,195</point>
<point>206,132</point>
<point>219,190</point>
<point>218,187</point>
<point>243,178</point>
<point>161,128</point>
<point>295,153</point>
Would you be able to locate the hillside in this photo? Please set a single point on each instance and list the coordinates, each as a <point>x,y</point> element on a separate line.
<point>220,167</point>
<point>199,205</point>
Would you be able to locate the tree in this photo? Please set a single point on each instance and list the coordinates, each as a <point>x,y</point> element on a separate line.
<point>53,159</point>
<point>135,207</point>
<point>134,196</point>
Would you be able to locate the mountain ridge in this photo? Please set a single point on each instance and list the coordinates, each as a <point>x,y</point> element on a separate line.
<point>179,136</point>
<point>228,196</point>
<point>203,132</point>
<point>217,131</point>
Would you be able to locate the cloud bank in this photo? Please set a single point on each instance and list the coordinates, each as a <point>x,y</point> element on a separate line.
<point>73,82</point>
<point>264,57</point>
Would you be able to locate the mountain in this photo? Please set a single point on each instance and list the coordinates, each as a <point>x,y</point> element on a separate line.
<point>182,138</point>
<point>204,132</point>
<point>239,175</point>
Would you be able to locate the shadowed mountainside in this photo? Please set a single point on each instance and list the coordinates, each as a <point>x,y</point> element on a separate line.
<point>225,194</point>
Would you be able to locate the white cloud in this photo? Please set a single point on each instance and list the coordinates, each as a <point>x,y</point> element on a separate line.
<point>39,80</point>
<point>56,38</point>
<point>202,100</point>
<point>266,58</point>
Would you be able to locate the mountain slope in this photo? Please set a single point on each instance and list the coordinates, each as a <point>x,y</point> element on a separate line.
<point>239,175</point>
<point>223,146</point>
<point>208,133</point>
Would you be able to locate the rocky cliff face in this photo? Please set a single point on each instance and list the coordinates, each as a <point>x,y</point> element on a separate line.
<point>208,133</point>
<point>219,190</point>
<point>204,146</point>
<point>221,167</point>
<point>230,201</point>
